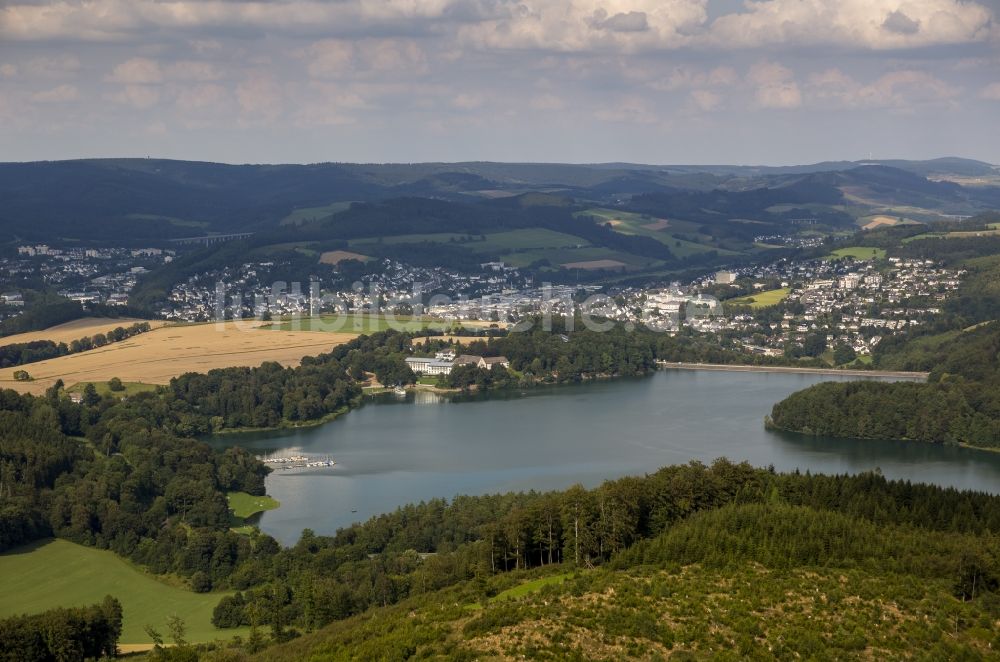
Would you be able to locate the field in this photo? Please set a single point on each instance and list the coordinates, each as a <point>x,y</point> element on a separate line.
<point>512,240</point>
<point>958,234</point>
<point>872,222</point>
<point>313,214</point>
<point>58,573</point>
<point>358,324</point>
<point>662,230</point>
<point>762,299</point>
<point>244,505</point>
<point>158,356</point>
<point>594,264</point>
<point>858,253</point>
<point>81,328</point>
<point>336,257</point>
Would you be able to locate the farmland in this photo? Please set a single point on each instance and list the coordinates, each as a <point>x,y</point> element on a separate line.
<point>157,356</point>
<point>512,240</point>
<point>350,323</point>
<point>336,257</point>
<point>81,328</point>
<point>57,573</point>
<point>858,253</point>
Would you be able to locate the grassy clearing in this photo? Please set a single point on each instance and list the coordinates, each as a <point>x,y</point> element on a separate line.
<point>244,505</point>
<point>313,214</point>
<point>523,589</point>
<point>762,299</point>
<point>527,588</point>
<point>858,253</point>
<point>58,573</point>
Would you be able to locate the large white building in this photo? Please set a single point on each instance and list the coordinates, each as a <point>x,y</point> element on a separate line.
<point>443,362</point>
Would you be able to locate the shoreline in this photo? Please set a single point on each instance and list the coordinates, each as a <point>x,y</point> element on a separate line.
<point>921,376</point>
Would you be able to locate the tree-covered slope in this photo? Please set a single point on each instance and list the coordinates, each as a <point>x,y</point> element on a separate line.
<point>763,581</point>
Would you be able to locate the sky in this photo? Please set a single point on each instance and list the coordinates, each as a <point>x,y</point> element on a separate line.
<point>643,81</point>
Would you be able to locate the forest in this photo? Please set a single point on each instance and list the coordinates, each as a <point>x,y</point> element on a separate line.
<point>689,518</point>
<point>63,634</point>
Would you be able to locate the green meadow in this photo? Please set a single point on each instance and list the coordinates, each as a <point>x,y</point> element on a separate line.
<point>58,573</point>
<point>858,253</point>
<point>762,299</point>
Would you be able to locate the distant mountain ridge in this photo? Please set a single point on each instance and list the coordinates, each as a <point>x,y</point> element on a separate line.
<point>158,199</point>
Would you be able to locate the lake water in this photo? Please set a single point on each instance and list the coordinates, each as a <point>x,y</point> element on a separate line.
<point>394,451</point>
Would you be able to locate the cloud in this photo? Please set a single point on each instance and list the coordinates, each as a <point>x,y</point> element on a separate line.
<point>193,70</point>
<point>60,94</point>
<point>588,25</point>
<point>631,110</point>
<point>466,101</point>
<point>137,96</point>
<point>775,86</point>
<point>903,89</point>
<point>547,102</point>
<point>8,70</point>
<point>329,58</point>
<point>52,67</point>
<point>260,98</point>
<point>632,21</point>
<point>868,24</point>
<point>706,100</point>
<point>900,23</point>
<point>991,92</point>
<point>683,77</point>
<point>208,97</point>
<point>137,70</point>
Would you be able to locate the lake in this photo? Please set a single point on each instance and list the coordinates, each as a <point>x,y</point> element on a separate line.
<point>394,451</point>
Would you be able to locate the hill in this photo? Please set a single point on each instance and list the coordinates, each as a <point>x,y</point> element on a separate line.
<point>742,582</point>
<point>144,200</point>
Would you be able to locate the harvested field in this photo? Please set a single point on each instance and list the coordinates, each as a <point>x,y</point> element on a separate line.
<point>81,328</point>
<point>336,257</point>
<point>157,356</point>
<point>595,264</point>
<point>661,224</point>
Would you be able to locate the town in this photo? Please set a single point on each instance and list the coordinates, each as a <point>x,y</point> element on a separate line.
<point>786,307</point>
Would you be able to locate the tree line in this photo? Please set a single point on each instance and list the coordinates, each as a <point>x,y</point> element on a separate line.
<point>63,634</point>
<point>17,354</point>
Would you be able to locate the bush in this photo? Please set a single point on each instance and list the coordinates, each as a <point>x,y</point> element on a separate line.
<point>22,376</point>
<point>116,385</point>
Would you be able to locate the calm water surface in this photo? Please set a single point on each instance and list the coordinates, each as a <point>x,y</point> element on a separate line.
<point>394,451</point>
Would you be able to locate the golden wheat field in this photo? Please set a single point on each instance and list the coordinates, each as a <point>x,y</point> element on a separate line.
<point>81,328</point>
<point>157,356</point>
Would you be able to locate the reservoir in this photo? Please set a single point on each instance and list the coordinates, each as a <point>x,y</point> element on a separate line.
<point>395,450</point>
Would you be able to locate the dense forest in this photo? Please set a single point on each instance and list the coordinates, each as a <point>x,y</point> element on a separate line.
<point>63,634</point>
<point>690,518</point>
